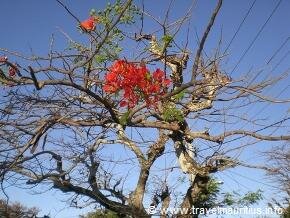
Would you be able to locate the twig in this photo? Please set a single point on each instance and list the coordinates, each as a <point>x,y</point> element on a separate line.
<point>67,9</point>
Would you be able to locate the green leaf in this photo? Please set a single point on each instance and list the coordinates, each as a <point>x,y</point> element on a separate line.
<point>100,58</point>
<point>251,198</point>
<point>124,118</point>
<point>148,76</point>
<point>179,96</point>
<point>167,39</point>
<point>171,114</point>
<point>229,199</point>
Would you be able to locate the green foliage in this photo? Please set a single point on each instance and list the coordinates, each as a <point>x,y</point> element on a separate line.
<point>229,199</point>
<point>111,49</point>
<point>107,16</point>
<point>179,96</point>
<point>100,58</point>
<point>171,114</point>
<point>251,198</point>
<point>101,214</point>
<point>124,118</point>
<point>167,39</point>
<point>232,199</point>
<point>209,197</point>
<point>160,45</point>
<point>213,186</point>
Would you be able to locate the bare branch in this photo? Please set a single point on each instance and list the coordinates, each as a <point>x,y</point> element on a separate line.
<point>203,39</point>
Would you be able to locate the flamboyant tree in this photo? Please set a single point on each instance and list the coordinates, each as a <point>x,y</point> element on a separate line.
<point>123,132</point>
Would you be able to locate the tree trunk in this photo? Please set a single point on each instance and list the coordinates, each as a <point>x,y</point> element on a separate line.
<point>136,199</point>
<point>192,201</point>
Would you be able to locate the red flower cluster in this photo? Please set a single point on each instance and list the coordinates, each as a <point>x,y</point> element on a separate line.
<point>3,59</point>
<point>12,69</point>
<point>8,68</point>
<point>89,24</point>
<point>137,83</point>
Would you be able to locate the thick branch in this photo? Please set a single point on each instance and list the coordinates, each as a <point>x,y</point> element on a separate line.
<point>204,37</point>
<point>126,141</point>
<point>66,186</point>
<point>220,138</point>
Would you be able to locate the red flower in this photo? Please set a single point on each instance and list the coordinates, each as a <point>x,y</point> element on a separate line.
<point>155,88</point>
<point>136,82</point>
<point>110,88</point>
<point>110,77</point>
<point>158,75</point>
<point>11,71</point>
<point>3,59</point>
<point>89,24</point>
<point>123,103</point>
<point>167,82</point>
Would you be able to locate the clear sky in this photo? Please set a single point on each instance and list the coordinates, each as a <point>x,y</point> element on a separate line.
<point>26,26</point>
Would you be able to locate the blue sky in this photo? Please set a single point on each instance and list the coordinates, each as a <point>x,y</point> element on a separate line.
<point>26,27</point>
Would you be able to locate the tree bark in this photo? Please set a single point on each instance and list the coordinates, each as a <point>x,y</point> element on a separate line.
<point>136,199</point>
<point>192,198</point>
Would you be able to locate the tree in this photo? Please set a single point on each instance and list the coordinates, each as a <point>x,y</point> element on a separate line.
<point>279,171</point>
<point>98,126</point>
<point>16,210</point>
